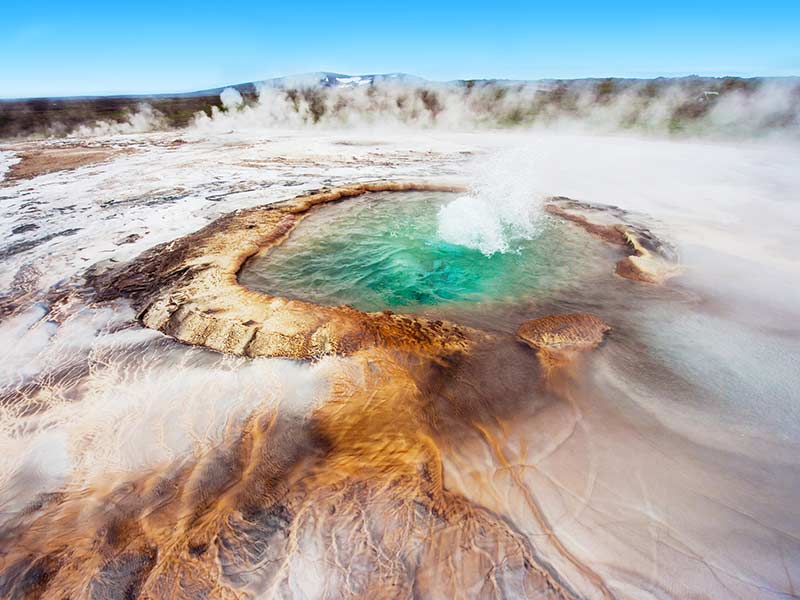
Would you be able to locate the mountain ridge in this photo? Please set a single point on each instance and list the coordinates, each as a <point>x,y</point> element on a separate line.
<point>330,79</point>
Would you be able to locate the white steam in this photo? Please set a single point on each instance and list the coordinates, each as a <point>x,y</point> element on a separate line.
<point>231,99</point>
<point>144,119</point>
<point>716,107</point>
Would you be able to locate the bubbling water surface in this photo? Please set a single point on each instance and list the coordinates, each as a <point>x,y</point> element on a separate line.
<point>386,252</point>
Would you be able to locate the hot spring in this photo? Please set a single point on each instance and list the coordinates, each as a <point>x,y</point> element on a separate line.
<point>386,251</point>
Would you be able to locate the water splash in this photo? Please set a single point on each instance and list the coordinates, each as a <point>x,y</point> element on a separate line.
<point>501,209</point>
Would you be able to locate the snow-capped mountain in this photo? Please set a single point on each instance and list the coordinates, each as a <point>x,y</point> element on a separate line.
<point>340,80</point>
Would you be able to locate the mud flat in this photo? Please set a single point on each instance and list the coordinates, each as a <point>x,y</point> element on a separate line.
<point>34,161</point>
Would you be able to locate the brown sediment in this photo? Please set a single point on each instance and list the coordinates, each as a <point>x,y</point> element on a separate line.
<point>649,260</point>
<point>21,292</point>
<point>359,484</point>
<point>40,161</point>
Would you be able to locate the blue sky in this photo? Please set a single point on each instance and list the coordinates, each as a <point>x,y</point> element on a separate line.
<point>52,47</point>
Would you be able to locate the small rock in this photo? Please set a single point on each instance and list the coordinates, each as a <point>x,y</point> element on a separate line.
<point>570,332</point>
<point>130,239</point>
<point>23,228</point>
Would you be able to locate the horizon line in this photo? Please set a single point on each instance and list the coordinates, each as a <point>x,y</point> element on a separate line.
<point>336,73</point>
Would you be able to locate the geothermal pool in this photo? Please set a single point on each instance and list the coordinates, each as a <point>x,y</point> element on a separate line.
<point>385,251</point>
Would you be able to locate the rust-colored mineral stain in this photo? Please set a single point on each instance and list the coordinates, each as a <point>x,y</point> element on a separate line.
<point>362,478</point>
<point>607,233</point>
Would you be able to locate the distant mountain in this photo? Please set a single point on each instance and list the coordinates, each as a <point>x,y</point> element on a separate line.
<point>326,79</point>
<point>339,80</point>
<point>319,79</point>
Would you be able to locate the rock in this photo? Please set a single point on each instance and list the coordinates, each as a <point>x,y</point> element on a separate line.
<point>576,332</point>
<point>23,228</point>
<point>129,239</point>
<point>648,260</point>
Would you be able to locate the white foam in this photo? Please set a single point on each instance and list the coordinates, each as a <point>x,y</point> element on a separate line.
<point>502,206</point>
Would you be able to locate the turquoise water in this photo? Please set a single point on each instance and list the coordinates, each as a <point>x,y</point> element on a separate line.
<point>383,251</point>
